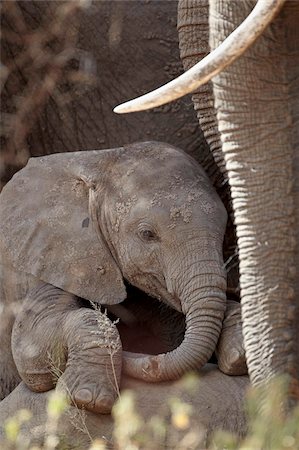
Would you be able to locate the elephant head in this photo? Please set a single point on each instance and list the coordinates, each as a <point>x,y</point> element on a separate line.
<point>256,101</point>
<point>146,213</point>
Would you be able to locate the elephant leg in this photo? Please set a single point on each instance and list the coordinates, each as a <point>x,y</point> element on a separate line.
<point>13,288</point>
<point>55,341</point>
<point>230,349</point>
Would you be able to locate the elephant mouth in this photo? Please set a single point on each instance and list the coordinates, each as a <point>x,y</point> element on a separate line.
<point>146,325</point>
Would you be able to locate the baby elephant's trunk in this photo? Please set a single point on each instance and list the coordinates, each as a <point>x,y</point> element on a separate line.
<point>203,301</point>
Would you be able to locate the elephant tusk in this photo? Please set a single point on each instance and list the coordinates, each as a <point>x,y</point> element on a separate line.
<point>227,52</point>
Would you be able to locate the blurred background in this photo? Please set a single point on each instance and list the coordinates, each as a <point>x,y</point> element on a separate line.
<point>66,64</point>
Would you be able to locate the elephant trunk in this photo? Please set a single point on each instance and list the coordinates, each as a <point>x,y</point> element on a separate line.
<point>203,300</point>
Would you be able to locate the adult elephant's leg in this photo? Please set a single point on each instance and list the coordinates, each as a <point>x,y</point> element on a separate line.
<point>257,103</point>
<point>193,30</point>
<point>56,340</point>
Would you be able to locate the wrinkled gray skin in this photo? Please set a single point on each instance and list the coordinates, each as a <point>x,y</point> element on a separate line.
<point>257,101</point>
<point>84,221</point>
<point>87,120</point>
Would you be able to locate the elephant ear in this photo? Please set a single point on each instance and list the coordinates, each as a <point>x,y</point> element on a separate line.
<point>46,229</point>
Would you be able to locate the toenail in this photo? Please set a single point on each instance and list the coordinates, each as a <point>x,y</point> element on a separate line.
<point>104,404</point>
<point>84,396</point>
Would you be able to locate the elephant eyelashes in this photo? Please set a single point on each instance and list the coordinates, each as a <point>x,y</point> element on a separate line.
<point>148,235</point>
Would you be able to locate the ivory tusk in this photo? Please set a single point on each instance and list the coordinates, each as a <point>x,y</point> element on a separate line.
<point>227,52</point>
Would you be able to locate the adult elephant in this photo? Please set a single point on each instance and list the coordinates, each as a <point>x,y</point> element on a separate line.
<point>254,75</point>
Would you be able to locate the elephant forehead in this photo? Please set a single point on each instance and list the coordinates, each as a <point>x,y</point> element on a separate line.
<point>166,210</point>
<point>172,192</point>
<point>162,184</point>
<point>149,162</point>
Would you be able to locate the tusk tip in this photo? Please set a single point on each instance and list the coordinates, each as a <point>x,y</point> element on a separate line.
<point>121,109</point>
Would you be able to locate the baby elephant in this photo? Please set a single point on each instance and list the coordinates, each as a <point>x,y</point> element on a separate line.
<point>73,227</point>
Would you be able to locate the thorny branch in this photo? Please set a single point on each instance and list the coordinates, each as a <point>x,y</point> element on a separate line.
<point>36,62</point>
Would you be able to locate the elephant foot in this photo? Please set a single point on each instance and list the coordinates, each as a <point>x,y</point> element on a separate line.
<point>91,386</point>
<point>92,374</point>
<point>57,342</point>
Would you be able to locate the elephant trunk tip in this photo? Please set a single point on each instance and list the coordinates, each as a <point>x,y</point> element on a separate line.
<point>146,367</point>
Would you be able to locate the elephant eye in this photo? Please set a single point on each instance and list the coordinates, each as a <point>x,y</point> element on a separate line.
<point>148,235</point>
